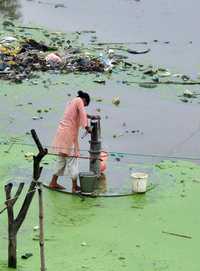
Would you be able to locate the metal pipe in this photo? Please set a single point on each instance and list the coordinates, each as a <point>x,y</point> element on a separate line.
<point>95,147</point>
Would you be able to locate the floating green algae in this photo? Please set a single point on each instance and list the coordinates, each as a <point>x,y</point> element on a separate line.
<point>111,232</point>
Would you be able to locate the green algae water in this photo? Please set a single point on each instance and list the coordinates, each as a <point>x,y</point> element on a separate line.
<point>122,233</point>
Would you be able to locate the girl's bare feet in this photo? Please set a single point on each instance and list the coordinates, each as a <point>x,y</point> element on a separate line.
<point>56,186</point>
<point>76,189</point>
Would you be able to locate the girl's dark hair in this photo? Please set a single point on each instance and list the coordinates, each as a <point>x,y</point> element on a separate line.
<point>84,95</point>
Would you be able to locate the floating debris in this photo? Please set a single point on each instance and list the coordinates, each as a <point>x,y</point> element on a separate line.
<point>164,73</point>
<point>59,5</point>
<point>35,118</point>
<point>137,52</point>
<point>26,256</point>
<point>116,101</point>
<point>29,155</point>
<point>19,58</point>
<point>147,85</point>
<point>150,72</point>
<point>137,207</point>
<point>36,228</point>
<point>156,78</point>
<point>121,258</point>
<point>100,81</point>
<point>117,159</point>
<point>54,60</point>
<point>177,234</point>
<point>83,244</point>
<point>99,100</point>
<point>188,93</point>
<point>185,100</point>
<point>185,77</point>
<point>8,23</point>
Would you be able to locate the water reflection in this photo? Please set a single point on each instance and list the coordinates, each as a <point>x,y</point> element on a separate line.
<point>102,186</point>
<point>10,8</point>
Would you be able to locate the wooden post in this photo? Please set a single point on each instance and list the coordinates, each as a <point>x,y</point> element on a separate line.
<point>12,241</point>
<point>12,227</point>
<point>12,249</point>
<point>14,224</point>
<point>41,223</point>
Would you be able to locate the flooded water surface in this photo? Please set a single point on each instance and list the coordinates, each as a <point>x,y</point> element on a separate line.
<point>171,35</point>
<point>125,21</point>
<point>140,232</point>
<point>165,25</point>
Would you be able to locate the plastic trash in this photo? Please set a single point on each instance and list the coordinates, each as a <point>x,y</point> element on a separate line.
<point>59,5</point>
<point>188,93</point>
<point>137,52</point>
<point>107,59</point>
<point>6,40</point>
<point>26,256</point>
<point>116,101</point>
<point>53,59</point>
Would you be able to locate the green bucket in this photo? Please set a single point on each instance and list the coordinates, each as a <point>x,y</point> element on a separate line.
<point>88,182</point>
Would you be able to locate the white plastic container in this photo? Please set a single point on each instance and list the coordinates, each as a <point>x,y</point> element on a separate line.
<point>139,182</point>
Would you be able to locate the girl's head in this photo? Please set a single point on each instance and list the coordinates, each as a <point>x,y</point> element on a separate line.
<point>84,96</point>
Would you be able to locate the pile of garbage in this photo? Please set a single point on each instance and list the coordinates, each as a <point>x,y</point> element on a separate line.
<point>20,58</point>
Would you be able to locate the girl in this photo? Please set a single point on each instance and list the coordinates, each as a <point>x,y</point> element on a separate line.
<point>66,142</point>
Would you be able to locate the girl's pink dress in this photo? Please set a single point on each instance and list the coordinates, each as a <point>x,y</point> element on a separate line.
<point>66,138</point>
